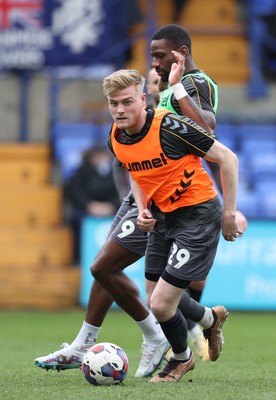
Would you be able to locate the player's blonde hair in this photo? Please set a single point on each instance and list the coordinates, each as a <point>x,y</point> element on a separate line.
<point>122,79</point>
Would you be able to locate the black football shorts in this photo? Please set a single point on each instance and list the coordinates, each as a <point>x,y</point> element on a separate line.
<point>187,255</point>
<point>125,232</point>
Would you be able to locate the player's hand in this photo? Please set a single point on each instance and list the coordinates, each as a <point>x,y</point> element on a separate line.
<point>145,221</point>
<point>177,68</point>
<point>241,220</point>
<point>230,228</point>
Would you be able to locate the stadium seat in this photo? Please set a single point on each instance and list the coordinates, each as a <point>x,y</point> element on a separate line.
<point>252,147</point>
<point>263,167</point>
<point>244,170</point>
<point>260,17</point>
<point>248,204</point>
<point>265,187</point>
<point>72,128</point>
<point>83,132</point>
<point>225,133</point>
<point>229,142</point>
<point>24,164</point>
<point>265,192</point>
<point>224,129</point>
<point>70,152</point>
<point>104,129</point>
<point>267,205</point>
<point>256,131</point>
<point>69,143</point>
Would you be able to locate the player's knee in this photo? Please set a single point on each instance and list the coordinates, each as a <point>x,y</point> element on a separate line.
<point>156,307</point>
<point>97,271</point>
<point>162,310</point>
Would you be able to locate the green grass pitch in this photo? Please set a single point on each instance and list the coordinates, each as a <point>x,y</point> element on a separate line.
<point>246,369</point>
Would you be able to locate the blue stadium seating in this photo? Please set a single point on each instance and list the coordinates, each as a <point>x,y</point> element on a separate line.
<point>69,154</point>
<point>264,187</point>
<point>256,131</point>
<point>267,205</point>
<point>248,204</point>
<point>261,43</point>
<point>70,140</point>
<point>266,192</point>
<point>225,130</point>
<point>252,147</point>
<point>244,170</point>
<point>105,129</point>
<point>225,133</point>
<point>263,168</point>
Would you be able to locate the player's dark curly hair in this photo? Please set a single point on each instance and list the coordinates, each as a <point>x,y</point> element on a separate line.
<point>175,35</point>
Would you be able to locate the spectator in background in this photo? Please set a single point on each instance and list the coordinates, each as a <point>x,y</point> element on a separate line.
<point>261,18</point>
<point>152,88</point>
<point>178,6</point>
<point>131,17</point>
<point>91,190</point>
<point>155,87</point>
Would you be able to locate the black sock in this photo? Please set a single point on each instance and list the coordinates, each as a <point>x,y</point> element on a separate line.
<point>175,330</point>
<point>190,308</point>
<point>196,295</point>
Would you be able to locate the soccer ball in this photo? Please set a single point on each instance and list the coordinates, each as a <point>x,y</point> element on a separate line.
<point>105,364</point>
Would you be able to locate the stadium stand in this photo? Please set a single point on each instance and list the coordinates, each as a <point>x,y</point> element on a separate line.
<point>69,141</point>
<point>255,146</point>
<point>36,270</point>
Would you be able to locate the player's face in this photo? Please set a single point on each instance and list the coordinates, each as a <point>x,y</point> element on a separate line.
<point>127,108</point>
<point>152,82</point>
<point>162,58</point>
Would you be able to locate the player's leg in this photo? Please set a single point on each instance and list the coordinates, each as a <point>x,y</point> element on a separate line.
<point>70,356</point>
<point>194,330</point>
<point>108,270</point>
<point>131,241</point>
<point>98,298</point>
<point>196,337</point>
<point>208,237</point>
<point>157,254</point>
<point>126,244</point>
<point>156,258</point>
<point>188,260</point>
<point>164,304</point>
<point>128,235</point>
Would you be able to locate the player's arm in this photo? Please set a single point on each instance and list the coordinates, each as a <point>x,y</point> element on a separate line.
<point>206,119</point>
<point>185,101</point>
<point>144,219</point>
<point>228,162</point>
<point>121,179</point>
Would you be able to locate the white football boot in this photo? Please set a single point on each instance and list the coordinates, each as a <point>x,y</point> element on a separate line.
<point>152,357</point>
<point>200,343</point>
<point>68,357</point>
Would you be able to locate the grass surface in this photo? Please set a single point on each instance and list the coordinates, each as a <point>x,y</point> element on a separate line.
<point>245,371</point>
